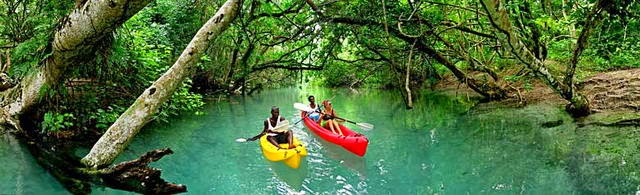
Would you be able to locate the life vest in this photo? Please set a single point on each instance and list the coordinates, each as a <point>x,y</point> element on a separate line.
<point>316,113</point>
<point>280,127</point>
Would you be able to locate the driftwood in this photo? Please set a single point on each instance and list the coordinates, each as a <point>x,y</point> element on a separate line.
<point>134,175</point>
<point>137,176</point>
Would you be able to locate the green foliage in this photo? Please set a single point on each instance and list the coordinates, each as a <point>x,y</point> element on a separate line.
<point>142,51</point>
<point>104,118</point>
<point>30,53</point>
<point>181,101</point>
<point>372,54</point>
<point>27,26</point>
<point>558,50</point>
<point>337,74</point>
<point>125,65</point>
<point>57,121</point>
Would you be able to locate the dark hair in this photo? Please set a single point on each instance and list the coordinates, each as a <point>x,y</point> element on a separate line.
<point>309,98</point>
<point>274,108</point>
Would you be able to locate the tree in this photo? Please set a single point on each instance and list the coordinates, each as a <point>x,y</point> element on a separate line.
<point>73,42</point>
<point>131,121</point>
<point>481,35</point>
<point>275,39</point>
<point>579,104</point>
<point>76,37</point>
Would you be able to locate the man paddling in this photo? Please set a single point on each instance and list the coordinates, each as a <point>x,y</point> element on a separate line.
<point>315,115</point>
<point>276,125</point>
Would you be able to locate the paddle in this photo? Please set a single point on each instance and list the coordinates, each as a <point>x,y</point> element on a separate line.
<point>240,140</point>
<point>363,126</point>
<point>284,123</point>
<point>302,107</point>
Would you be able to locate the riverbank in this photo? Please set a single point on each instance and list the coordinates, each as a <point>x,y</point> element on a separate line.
<point>615,93</point>
<point>601,151</point>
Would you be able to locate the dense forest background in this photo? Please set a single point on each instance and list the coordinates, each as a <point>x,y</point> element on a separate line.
<point>499,49</point>
<point>343,44</point>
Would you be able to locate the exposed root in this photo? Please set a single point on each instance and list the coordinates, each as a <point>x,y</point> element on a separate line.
<point>135,175</point>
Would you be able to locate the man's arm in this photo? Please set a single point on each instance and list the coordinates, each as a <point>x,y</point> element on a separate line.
<point>264,131</point>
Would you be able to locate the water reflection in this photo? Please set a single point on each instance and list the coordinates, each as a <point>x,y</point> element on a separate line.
<point>19,171</point>
<point>294,178</point>
<point>344,157</point>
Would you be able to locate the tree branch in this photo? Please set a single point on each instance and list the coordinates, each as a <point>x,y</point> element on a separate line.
<point>467,30</point>
<point>592,20</point>
<point>78,34</point>
<point>302,66</point>
<point>123,130</point>
<point>489,90</point>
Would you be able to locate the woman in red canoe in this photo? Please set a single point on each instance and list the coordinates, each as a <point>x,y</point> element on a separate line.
<point>328,119</point>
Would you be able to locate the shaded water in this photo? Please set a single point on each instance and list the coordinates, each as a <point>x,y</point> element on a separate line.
<point>435,148</point>
<point>19,172</point>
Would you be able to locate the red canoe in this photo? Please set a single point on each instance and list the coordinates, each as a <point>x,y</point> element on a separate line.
<point>352,141</point>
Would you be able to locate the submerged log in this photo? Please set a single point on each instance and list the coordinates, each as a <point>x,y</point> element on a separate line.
<point>137,176</point>
<point>134,175</point>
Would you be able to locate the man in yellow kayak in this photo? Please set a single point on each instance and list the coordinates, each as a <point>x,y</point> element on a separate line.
<point>277,130</point>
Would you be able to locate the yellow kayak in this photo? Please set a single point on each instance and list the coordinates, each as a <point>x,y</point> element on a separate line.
<point>290,157</point>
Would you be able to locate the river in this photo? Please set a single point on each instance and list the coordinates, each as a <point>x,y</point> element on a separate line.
<point>438,147</point>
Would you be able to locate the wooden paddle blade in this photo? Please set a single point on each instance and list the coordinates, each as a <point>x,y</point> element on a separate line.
<point>365,126</point>
<point>302,107</point>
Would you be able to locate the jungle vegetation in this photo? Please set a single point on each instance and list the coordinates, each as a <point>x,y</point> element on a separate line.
<point>85,72</point>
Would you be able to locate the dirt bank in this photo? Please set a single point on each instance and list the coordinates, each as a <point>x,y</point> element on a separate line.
<point>608,92</point>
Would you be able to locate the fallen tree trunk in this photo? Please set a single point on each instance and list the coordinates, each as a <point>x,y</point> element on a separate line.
<point>57,158</point>
<point>136,176</point>
<point>118,136</point>
<point>74,41</point>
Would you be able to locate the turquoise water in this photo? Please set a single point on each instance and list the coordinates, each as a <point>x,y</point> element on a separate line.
<point>435,148</point>
<point>19,172</point>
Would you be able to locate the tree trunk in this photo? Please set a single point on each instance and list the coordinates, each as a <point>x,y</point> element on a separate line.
<point>76,37</point>
<point>499,19</point>
<point>136,176</point>
<point>407,87</point>
<point>137,115</point>
<point>592,20</point>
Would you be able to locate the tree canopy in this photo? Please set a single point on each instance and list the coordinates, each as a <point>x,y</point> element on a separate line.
<point>75,67</point>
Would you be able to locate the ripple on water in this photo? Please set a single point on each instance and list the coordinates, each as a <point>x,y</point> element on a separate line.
<point>381,168</point>
<point>426,150</point>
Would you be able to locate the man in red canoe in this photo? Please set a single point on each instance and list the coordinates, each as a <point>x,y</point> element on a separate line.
<point>315,115</point>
